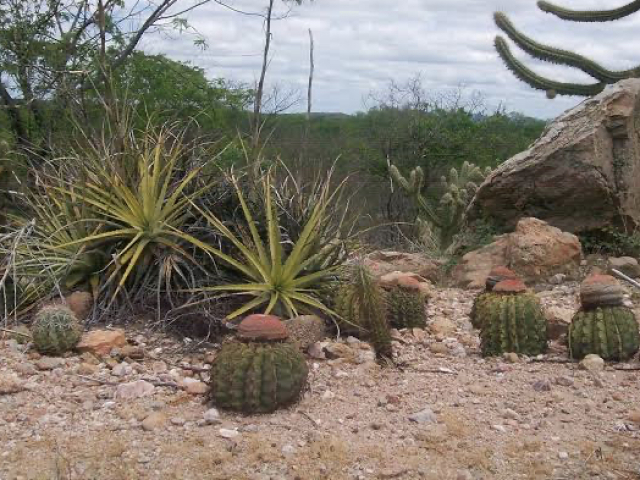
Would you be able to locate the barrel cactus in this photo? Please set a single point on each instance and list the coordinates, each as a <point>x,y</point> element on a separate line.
<point>496,275</point>
<point>405,307</point>
<point>55,330</point>
<point>261,371</point>
<point>511,320</point>
<point>603,326</point>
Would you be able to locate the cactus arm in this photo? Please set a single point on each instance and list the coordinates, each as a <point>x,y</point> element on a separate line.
<point>560,57</point>
<point>522,72</point>
<point>414,190</point>
<point>590,16</point>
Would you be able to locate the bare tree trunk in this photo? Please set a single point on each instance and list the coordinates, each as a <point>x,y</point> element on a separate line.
<point>307,127</point>
<point>257,107</point>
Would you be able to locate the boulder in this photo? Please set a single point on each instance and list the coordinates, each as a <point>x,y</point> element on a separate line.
<point>101,342</point>
<point>535,251</point>
<point>383,262</point>
<point>627,265</point>
<point>583,173</point>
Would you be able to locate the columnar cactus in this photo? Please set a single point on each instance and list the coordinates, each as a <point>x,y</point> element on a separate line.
<point>55,330</point>
<point>603,326</point>
<point>562,57</point>
<point>446,217</point>
<point>511,320</point>
<point>260,372</point>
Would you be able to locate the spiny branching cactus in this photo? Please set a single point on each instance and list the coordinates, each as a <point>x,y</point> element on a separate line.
<point>511,320</point>
<point>446,217</point>
<point>55,330</point>
<point>405,307</point>
<point>611,332</point>
<point>260,372</point>
<point>558,56</point>
<point>359,302</point>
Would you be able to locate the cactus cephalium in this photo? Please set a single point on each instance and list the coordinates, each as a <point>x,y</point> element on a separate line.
<point>496,275</point>
<point>611,332</point>
<point>405,307</point>
<point>55,330</point>
<point>511,320</point>
<point>558,56</point>
<point>257,377</point>
<point>445,218</point>
<point>359,302</point>
<point>259,373</point>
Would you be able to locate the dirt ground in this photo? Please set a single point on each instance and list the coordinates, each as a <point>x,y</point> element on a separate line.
<point>542,418</point>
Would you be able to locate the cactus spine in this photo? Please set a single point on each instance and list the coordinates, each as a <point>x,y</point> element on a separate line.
<point>55,330</point>
<point>557,56</point>
<point>445,218</point>
<point>360,303</point>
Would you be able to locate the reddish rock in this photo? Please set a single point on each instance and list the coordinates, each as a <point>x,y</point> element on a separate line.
<point>408,280</point>
<point>262,328</point>
<point>535,251</point>
<point>600,290</point>
<point>510,286</point>
<point>101,342</point>
<point>497,275</point>
<point>381,263</point>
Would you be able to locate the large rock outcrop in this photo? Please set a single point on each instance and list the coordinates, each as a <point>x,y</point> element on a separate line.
<point>583,173</point>
<point>535,251</point>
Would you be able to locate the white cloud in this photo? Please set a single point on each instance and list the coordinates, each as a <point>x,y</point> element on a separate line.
<point>361,44</point>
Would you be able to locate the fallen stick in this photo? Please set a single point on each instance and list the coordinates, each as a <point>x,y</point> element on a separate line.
<point>618,273</point>
<point>15,333</point>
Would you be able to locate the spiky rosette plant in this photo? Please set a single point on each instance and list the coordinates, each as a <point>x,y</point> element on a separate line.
<point>496,275</point>
<point>512,320</point>
<point>360,304</point>
<point>602,75</point>
<point>260,372</point>
<point>55,330</point>
<point>603,326</point>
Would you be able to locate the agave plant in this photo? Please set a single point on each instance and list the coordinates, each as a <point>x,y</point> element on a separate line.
<point>141,214</point>
<point>278,281</point>
<point>52,252</point>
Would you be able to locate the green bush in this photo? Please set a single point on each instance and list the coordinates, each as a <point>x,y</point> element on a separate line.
<point>610,241</point>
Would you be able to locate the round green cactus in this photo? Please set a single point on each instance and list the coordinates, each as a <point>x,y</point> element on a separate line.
<point>511,323</point>
<point>55,330</point>
<point>257,377</point>
<point>405,307</point>
<point>611,332</point>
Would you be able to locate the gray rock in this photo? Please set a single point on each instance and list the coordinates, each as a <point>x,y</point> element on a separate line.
<point>49,363</point>
<point>424,416</point>
<point>212,417</point>
<point>137,389</point>
<point>581,174</point>
<point>592,363</point>
<point>542,386</point>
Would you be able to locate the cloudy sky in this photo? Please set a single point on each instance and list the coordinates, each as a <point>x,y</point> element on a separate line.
<point>362,44</point>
